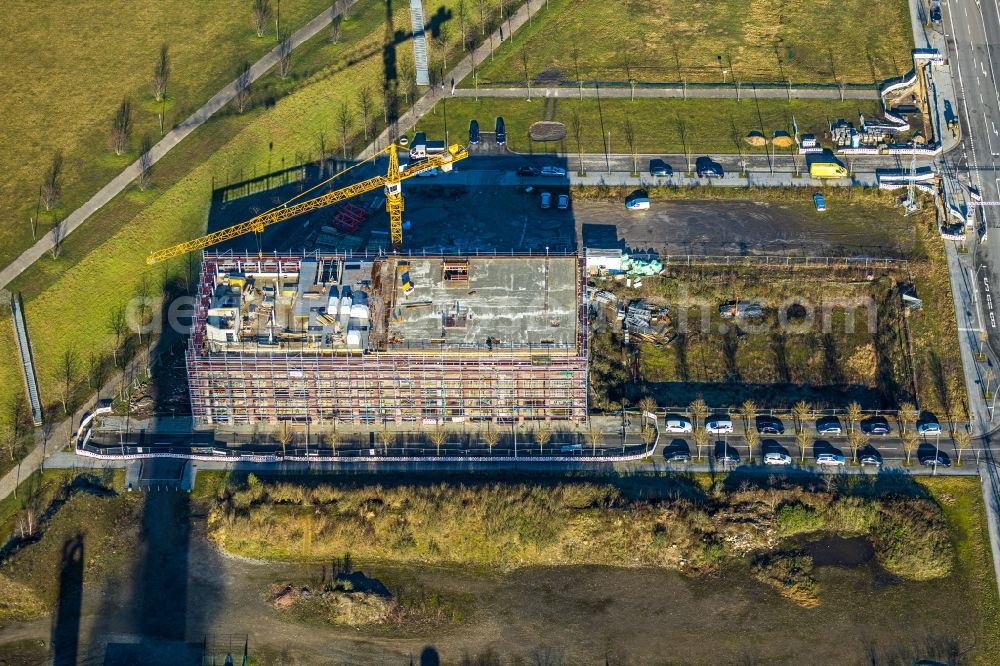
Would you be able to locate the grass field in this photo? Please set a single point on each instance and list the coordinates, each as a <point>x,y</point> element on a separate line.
<point>107,260</point>
<point>659,125</point>
<point>68,64</point>
<point>823,41</point>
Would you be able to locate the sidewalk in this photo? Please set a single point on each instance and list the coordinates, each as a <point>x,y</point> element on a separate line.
<point>746,91</point>
<point>169,140</point>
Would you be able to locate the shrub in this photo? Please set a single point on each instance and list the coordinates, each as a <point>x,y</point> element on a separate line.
<point>797,518</point>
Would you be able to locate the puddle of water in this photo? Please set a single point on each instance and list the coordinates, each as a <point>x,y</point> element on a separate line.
<point>839,551</point>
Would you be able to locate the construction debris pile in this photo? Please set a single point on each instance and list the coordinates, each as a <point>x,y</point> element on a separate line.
<point>648,322</point>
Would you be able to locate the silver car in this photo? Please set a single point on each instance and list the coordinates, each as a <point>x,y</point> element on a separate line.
<point>776,458</point>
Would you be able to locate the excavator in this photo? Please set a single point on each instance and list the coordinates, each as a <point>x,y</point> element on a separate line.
<point>391,181</point>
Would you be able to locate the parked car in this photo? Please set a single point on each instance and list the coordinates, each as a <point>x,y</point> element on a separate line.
<point>935,460</point>
<point>777,458</point>
<point>658,167</point>
<point>769,425</point>
<point>501,131</point>
<point>875,425</point>
<point>473,132</point>
<point>719,426</point>
<point>828,425</point>
<point>637,203</point>
<point>706,167</point>
<point>546,200</point>
<point>676,457</point>
<point>677,424</point>
<point>820,202</point>
<point>528,171</point>
<point>553,171</point>
<point>727,456</point>
<point>563,202</point>
<point>830,460</point>
<point>929,427</point>
<point>870,459</point>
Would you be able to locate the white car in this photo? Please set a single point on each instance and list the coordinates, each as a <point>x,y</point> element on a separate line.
<point>719,426</point>
<point>546,200</point>
<point>553,171</point>
<point>776,458</point>
<point>639,203</point>
<point>830,459</point>
<point>677,424</point>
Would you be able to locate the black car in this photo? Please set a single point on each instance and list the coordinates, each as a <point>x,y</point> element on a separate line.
<point>660,168</point>
<point>935,460</point>
<point>769,425</point>
<point>528,171</point>
<point>706,167</point>
<point>676,457</point>
<point>875,425</point>
<point>870,457</point>
<point>936,13</point>
<point>473,132</point>
<point>501,132</point>
<point>727,456</point>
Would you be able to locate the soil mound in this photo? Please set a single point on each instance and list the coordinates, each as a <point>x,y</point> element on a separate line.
<point>547,130</point>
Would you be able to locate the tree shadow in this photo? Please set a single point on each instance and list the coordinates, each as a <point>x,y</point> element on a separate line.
<point>681,348</point>
<point>832,373</point>
<point>940,380</point>
<point>730,347</point>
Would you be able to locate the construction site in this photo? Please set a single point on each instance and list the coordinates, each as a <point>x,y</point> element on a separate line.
<point>325,339</point>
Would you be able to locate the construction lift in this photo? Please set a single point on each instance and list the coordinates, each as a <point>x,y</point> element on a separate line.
<point>391,181</point>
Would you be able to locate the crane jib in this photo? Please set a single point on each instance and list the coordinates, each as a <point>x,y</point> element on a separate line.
<point>394,205</point>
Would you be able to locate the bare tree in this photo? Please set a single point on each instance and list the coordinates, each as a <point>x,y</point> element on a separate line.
<point>285,56</point>
<point>907,414</point>
<point>803,439</point>
<point>243,81</point>
<point>749,412</point>
<point>142,292</point>
<point>700,436</point>
<point>438,437</point>
<point>629,132</point>
<point>801,412</point>
<point>117,326</point>
<point>853,414</point>
<point>8,440</point>
<point>524,66</point>
<point>594,437</point>
<point>121,127</point>
<point>698,409</point>
<point>482,16</point>
<point>491,436</point>
<point>161,73</point>
<point>461,23</point>
<point>67,374</point>
<point>344,120</point>
<point>336,28</point>
<point>145,163</point>
<point>963,441</point>
<point>543,434</point>
<point>284,434</point>
<point>261,10</point>
<point>365,104</point>
<point>576,125</point>
<point>648,406</point>
<point>648,435</point>
<point>857,441</point>
<point>52,183</point>
<point>911,441</point>
<point>753,440</point>
<point>387,438</point>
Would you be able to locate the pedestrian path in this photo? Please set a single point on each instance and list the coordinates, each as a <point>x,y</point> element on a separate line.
<point>120,182</point>
<point>747,91</point>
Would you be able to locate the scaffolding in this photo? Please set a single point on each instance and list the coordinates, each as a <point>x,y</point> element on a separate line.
<point>416,382</point>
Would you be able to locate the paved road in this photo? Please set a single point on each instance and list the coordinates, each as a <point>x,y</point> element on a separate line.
<point>120,182</point>
<point>748,91</point>
<point>972,28</point>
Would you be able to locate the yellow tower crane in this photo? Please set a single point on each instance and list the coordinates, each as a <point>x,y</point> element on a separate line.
<point>391,181</point>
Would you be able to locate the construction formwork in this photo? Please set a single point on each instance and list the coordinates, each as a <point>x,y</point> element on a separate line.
<point>418,383</point>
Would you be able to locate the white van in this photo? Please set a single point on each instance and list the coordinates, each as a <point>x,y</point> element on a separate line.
<point>639,203</point>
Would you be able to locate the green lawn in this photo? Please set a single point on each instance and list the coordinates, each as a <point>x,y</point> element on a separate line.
<point>101,265</point>
<point>659,125</point>
<point>66,66</point>
<point>820,41</point>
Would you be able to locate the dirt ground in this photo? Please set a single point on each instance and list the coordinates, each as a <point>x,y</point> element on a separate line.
<point>178,589</point>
